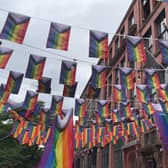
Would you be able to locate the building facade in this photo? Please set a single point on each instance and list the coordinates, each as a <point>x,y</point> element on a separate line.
<point>148,19</point>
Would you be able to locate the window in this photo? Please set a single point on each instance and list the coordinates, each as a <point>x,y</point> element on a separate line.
<point>162,29</point>
<point>116,46</point>
<point>148,40</point>
<point>123,63</point>
<point>123,34</point>
<point>118,154</point>
<point>105,156</point>
<point>131,20</point>
<point>110,85</point>
<point>146,9</point>
<point>117,75</point>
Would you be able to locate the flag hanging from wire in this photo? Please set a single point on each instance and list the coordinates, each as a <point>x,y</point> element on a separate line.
<point>80,107</point>
<point>44,85</point>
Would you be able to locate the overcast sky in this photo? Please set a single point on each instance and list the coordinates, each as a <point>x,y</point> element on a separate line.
<point>82,15</point>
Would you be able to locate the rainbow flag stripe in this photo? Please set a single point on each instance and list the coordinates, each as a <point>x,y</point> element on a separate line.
<point>119,94</point>
<point>163,44</point>
<point>58,37</point>
<point>68,73</point>
<point>148,108</point>
<point>44,85</point>
<point>5,54</point>
<point>135,50</point>
<point>14,82</point>
<point>44,119</point>
<point>80,107</point>
<point>4,95</point>
<point>82,121</point>
<point>142,93</point>
<point>56,104</point>
<point>115,116</point>
<point>127,78</point>
<point>99,119</point>
<point>35,67</point>
<point>15,27</point>
<point>144,126</point>
<point>3,108</point>
<point>98,45</point>
<point>152,79</point>
<point>103,108</point>
<point>59,148</point>
<point>98,78</point>
<point>163,91</point>
<point>164,105</point>
<point>69,91</point>
<point>125,108</point>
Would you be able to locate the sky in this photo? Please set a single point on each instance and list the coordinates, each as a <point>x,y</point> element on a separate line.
<point>83,15</point>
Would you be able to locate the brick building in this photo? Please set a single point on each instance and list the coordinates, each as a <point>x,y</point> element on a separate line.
<point>144,18</point>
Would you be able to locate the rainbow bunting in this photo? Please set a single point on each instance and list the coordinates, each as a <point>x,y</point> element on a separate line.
<point>82,121</point>
<point>148,108</point>
<point>103,108</point>
<point>99,135</point>
<point>93,92</point>
<point>44,119</point>
<point>58,37</point>
<point>56,104</point>
<point>125,109</point>
<point>115,116</point>
<point>3,108</point>
<point>68,73</point>
<point>24,138</point>
<point>135,50</point>
<point>109,129</point>
<point>132,130</point>
<point>14,82</point>
<point>127,78</point>
<point>59,148</point>
<point>142,93</point>
<point>5,54</point>
<point>69,91</point>
<point>44,85</point>
<point>123,129</point>
<point>98,45</point>
<point>99,119</point>
<point>152,79</point>
<point>93,128</point>
<point>15,27</point>
<point>98,78</point>
<point>144,127</point>
<point>35,67</point>
<point>77,136</point>
<point>163,44</point>
<point>163,91</point>
<point>4,95</point>
<point>80,107</point>
<point>164,105</point>
<point>119,94</point>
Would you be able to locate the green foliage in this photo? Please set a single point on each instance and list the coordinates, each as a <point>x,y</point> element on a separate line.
<point>12,154</point>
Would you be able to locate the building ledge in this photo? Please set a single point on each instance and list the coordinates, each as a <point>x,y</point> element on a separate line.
<point>130,144</point>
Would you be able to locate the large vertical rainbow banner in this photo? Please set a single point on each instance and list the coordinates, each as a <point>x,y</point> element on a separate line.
<point>98,45</point>
<point>5,54</point>
<point>68,73</point>
<point>58,37</point>
<point>98,78</point>
<point>15,27</point>
<point>59,149</point>
<point>35,67</point>
<point>135,50</point>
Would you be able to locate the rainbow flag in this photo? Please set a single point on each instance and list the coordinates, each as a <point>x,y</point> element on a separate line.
<point>163,92</point>
<point>123,129</point>
<point>103,108</point>
<point>93,129</point>
<point>119,94</point>
<point>148,108</point>
<point>115,116</point>
<point>69,91</point>
<point>163,44</point>
<point>3,108</point>
<point>80,107</point>
<point>14,82</point>
<point>135,50</point>
<point>77,136</point>
<point>132,130</point>
<point>68,73</point>
<point>5,54</point>
<point>144,126</point>
<point>142,93</point>
<point>44,85</point>
<point>98,78</point>
<point>164,105</point>
<point>24,137</point>
<point>82,121</point>
<point>152,79</point>
<point>4,95</point>
<point>109,129</point>
<point>99,119</point>
<point>98,45</point>
<point>127,78</point>
<point>56,104</point>
<point>58,37</point>
<point>44,119</point>
<point>35,67</point>
<point>15,27</point>
<point>93,92</point>
<point>59,148</point>
<point>99,134</point>
<point>125,109</point>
